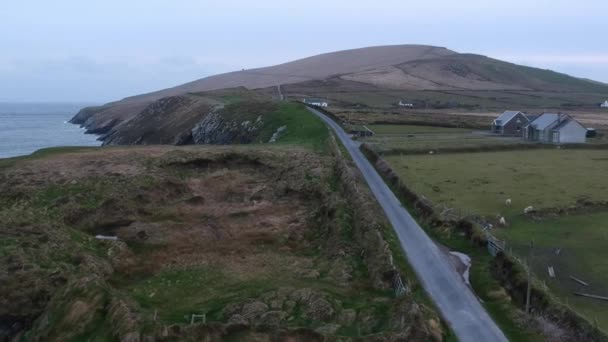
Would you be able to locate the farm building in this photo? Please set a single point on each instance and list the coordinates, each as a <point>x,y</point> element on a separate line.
<point>605,104</point>
<point>510,123</point>
<point>556,129</point>
<point>405,104</point>
<point>316,102</point>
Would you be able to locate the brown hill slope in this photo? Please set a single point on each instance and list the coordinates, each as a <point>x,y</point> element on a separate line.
<point>383,68</point>
<point>312,68</point>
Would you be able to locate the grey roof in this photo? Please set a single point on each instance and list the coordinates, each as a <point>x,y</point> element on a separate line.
<point>568,120</point>
<point>506,116</point>
<point>544,121</point>
<point>552,121</point>
<point>562,124</point>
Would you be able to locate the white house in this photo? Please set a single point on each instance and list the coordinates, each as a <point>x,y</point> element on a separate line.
<point>605,104</point>
<point>316,102</point>
<point>555,129</point>
<point>405,104</point>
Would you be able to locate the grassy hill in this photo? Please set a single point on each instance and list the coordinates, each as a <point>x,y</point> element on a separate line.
<point>431,77</point>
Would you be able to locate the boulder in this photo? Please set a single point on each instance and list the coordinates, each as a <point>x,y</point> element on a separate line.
<point>254,310</point>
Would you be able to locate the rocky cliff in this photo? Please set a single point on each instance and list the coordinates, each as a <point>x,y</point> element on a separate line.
<point>225,117</point>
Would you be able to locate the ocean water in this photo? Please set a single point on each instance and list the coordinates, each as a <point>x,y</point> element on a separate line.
<point>27,127</point>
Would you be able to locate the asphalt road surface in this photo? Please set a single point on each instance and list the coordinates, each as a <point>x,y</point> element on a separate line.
<point>455,301</point>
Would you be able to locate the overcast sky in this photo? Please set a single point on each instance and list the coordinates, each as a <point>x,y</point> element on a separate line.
<point>102,50</point>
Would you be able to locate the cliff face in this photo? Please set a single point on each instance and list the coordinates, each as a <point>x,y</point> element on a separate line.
<point>161,122</point>
<point>216,129</point>
<point>220,117</point>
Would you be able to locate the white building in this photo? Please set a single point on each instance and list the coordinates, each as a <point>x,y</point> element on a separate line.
<point>605,104</point>
<point>555,129</point>
<point>316,102</point>
<point>405,104</point>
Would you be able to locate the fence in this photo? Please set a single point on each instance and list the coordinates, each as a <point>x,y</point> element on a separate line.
<point>508,267</point>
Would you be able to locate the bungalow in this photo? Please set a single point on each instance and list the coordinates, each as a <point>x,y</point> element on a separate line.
<point>555,129</point>
<point>405,104</point>
<point>510,123</point>
<point>605,104</point>
<point>315,102</point>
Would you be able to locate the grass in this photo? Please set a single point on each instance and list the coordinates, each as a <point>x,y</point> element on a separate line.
<point>43,153</point>
<point>177,294</point>
<point>481,182</point>
<point>483,283</point>
<point>582,239</point>
<point>303,128</point>
<point>425,142</point>
<point>502,311</point>
<point>414,129</point>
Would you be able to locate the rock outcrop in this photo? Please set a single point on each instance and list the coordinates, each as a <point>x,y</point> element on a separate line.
<point>215,129</point>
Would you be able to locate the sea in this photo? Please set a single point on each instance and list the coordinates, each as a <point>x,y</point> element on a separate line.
<point>27,127</point>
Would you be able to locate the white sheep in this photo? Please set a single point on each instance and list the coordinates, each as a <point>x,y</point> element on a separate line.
<point>431,152</point>
<point>503,221</point>
<point>508,202</point>
<point>528,209</point>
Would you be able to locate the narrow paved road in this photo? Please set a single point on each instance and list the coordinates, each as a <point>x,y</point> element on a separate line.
<point>457,304</point>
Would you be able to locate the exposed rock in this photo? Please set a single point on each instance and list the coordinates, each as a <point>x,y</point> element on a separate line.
<point>254,310</point>
<point>341,271</point>
<point>237,320</point>
<point>272,318</point>
<point>301,295</point>
<point>231,310</point>
<point>276,304</point>
<point>217,130</point>
<point>276,135</point>
<point>289,305</point>
<point>320,310</point>
<point>347,316</point>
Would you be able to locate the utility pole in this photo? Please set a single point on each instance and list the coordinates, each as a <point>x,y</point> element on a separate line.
<point>529,278</point>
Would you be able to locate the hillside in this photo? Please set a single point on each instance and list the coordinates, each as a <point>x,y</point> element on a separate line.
<point>394,72</point>
<point>269,243</point>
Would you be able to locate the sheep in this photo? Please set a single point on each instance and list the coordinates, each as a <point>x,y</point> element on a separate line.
<point>503,221</point>
<point>528,209</point>
<point>508,202</point>
<point>431,152</point>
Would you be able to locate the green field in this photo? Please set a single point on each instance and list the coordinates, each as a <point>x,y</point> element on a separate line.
<point>582,240</point>
<point>479,183</point>
<point>423,143</point>
<point>414,129</point>
<point>303,128</point>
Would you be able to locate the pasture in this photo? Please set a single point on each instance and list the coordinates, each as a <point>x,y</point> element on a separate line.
<point>444,142</point>
<point>573,244</point>
<point>414,129</point>
<point>481,182</point>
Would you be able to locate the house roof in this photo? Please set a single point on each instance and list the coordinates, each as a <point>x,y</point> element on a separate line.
<point>564,123</point>
<point>552,121</point>
<point>313,100</point>
<point>544,121</point>
<point>506,117</point>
